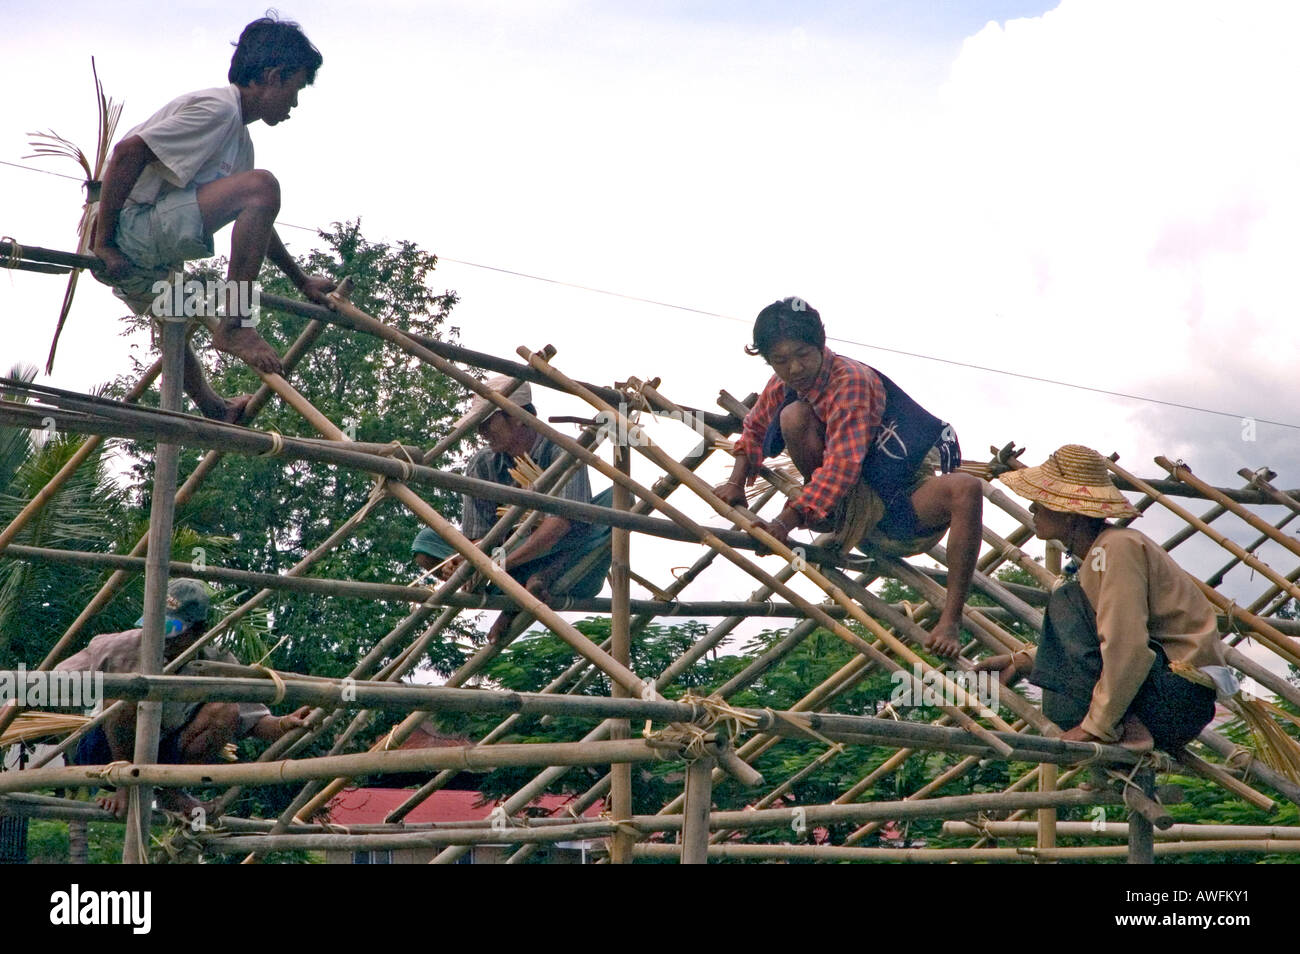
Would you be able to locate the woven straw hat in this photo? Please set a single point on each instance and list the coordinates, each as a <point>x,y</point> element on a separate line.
<point>1073,480</point>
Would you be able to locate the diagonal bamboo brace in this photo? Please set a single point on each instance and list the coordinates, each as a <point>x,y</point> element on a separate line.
<point>740,517</point>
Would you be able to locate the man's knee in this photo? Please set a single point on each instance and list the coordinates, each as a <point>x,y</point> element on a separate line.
<point>263,190</point>
<point>964,493</point>
<point>799,425</point>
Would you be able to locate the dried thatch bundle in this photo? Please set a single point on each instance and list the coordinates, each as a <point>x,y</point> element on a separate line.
<point>51,143</point>
<point>34,724</point>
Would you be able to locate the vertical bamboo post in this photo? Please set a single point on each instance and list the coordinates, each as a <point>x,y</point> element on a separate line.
<point>1141,834</point>
<point>148,719</point>
<point>620,793</point>
<point>699,797</point>
<point>1049,771</point>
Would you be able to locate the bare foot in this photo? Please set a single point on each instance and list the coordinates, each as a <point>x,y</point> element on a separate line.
<point>247,345</point>
<point>226,410</point>
<point>178,800</point>
<point>944,640</point>
<point>113,802</point>
<point>497,633</point>
<point>1136,737</point>
<point>234,410</point>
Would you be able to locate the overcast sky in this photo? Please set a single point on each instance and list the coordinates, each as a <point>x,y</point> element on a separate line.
<point>1100,192</point>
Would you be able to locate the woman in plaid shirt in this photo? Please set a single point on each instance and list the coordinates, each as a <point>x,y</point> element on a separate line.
<point>867,453</point>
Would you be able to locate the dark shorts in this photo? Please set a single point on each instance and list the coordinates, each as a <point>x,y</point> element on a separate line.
<point>92,749</point>
<point>893,479</point>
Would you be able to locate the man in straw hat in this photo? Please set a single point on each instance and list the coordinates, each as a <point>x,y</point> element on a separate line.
<point>868,454</point>
<point>192,732</point>
<point>515,456</point>
<point>1116,641</point>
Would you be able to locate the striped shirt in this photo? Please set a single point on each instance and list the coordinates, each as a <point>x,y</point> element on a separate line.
<point>849,399</point>
<point>478,516</point>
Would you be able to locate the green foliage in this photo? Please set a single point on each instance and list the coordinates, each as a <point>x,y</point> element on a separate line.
<point>39,599</point>
<point>272,512</point>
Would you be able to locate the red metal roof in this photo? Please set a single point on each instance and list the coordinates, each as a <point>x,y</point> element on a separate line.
<point>369,806</point>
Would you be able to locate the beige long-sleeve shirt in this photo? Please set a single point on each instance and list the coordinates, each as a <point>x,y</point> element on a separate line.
<point>1140,593</point>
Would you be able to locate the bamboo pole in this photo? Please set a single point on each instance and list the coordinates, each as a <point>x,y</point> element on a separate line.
<point>1233,754</point>
<point>647,447</point>
<point>70,467</point>
<point>665,486</point>
<point>950,855</point>
<point>52,487</point>
<point>467,758</point>
<point>699,799</point>
<point>420,595</point>
<point>620,845</point>
<point>1048,774</point>
<point>1183,473</point>
<point>162,508</point>
<point>205,466</point>
<point>1119,830</point>
<point>228,844</point>
<point>1141,839</point>
<point>1279,643</point>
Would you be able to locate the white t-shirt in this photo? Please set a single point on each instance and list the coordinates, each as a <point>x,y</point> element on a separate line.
<point>198,138</point>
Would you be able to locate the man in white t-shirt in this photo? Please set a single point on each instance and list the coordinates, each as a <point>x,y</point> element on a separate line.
<point>186,172</point>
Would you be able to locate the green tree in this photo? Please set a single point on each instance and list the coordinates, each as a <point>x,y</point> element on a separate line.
<point>39,599</point>
<point>273,511</point>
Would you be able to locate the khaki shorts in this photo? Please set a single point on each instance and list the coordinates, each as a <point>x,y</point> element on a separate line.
<point>158,239</point>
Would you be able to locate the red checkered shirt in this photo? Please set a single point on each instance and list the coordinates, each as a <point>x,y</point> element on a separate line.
<point>849,400</point>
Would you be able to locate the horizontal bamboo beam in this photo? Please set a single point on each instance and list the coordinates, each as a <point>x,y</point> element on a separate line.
<point>1119,831</point>
<point>398,761</point>
<point>970,855</point>
<point>335,693</point>
<point>222,843</point>
<point>726,423</point>
<point>106,418</point>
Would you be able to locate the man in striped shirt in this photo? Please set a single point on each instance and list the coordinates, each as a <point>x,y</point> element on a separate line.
<point>848,429</point>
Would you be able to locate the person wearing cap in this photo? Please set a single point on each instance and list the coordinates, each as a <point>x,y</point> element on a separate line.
<point>868,454</point>
<point>556,543</point>
<point>192,732</point>
<point>1116,640</point>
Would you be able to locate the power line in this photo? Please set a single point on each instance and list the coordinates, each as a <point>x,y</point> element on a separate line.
<point>850,341</point>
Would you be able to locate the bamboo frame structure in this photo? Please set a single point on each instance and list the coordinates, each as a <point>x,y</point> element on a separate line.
<point>967,729</point>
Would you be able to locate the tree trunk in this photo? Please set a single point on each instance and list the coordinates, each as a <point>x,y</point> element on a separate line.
<point>78,843</point>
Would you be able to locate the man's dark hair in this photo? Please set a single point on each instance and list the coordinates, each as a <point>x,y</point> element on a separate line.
<point>790,319</point>
<point>268,43</point>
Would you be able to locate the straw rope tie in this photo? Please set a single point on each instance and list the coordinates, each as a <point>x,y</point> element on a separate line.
<point>736,720</point>
<point>106,772</point>
<point>277,445</point>
<point>276,678</point>
<point>1239,754</point>
<point>1096,755</point>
